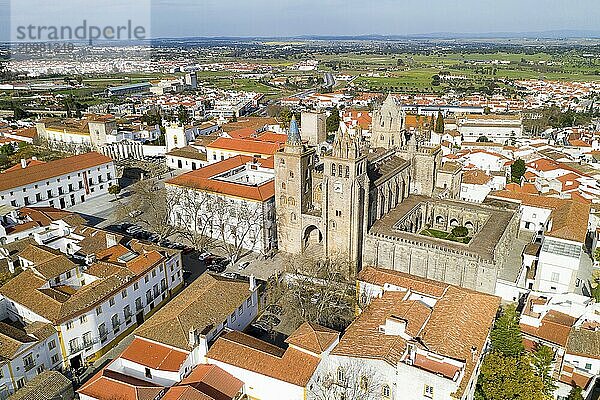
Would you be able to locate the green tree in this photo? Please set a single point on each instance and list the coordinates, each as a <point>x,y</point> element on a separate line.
<point>506,334</point>
<point>542,366</point>
<point>575,394</point>
<point>333,121</point>
<point>517,170</point>
<point>503,378</point>
<point>439,124</point>
<point>115,190</point>
<point>483,139</point>
<point>182,115</point>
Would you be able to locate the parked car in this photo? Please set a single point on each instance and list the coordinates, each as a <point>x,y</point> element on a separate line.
<point>231,275</point>
<point>261,326</point>
<point>133,229</point>
<point>243,265</point>
<point>218,268</point>
<point>204,256</point>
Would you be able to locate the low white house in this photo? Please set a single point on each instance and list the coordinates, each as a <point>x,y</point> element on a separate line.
<point>270,372</point>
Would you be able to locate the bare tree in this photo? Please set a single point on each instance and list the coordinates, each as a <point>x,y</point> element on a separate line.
<point>350,380</point>
<point>316,290</point>
<point>154,205</point>
<point>193,216</point>
<point>238,224</point>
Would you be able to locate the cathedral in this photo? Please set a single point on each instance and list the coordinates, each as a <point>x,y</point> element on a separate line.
<point>367,202</point>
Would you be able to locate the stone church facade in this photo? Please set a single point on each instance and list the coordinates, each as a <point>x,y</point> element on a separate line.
<point>350,202</point>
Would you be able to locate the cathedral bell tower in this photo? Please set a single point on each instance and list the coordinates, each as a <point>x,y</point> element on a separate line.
<point>293,189</point>
<point>345,197</point>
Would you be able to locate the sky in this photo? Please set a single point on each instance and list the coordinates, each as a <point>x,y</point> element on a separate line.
<point>276,18</point>
<point>356,17</point>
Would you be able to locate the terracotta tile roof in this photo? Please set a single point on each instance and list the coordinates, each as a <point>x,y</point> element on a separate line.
<point>51,169</point>
<point>28,163</point>
<point>185,393</point>
<point>459,321</point>
<point>312,337</point>
<point>573,377</point>
<point>245,146</point>
<point>188,152</point>
<point>475,177</point>
<point>445,369</point>
<point>45,386</point>
<point>202,179</point>
<point>154,355</point>
<point>58,305</point>
<point>584,343</point>
<point>49,263</point>
<point>203,305</point>
<point>213,381</point>
<point>554,328</point>
<point>381,276</point>
<point>106,384</point>
<point>569,217</point>
<point>243,351</point>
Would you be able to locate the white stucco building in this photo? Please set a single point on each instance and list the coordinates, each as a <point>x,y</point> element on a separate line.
<point>60,183</point>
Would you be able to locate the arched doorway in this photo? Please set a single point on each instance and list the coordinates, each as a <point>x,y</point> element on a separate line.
<point>313,239</point>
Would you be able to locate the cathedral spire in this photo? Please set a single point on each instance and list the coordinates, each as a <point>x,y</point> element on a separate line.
<point>294,137</point>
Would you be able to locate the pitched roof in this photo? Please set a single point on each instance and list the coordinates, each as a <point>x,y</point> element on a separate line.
<point>203,305</point>
<point>47,385</point>
<point>51,169</point>
<point>213,381</point>
<point>569,217</point>
<point>154,355</point>
<point>246,352</point>
<point>459,321</point>
<point>584,343</point>
<point>245,146</point>
<point>475,177</point>
<point>106,384</point>
<point>555,327</point>
<point>312,337</point>
<point>188,152</point>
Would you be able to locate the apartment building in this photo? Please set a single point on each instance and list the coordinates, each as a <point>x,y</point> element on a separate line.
<point>25,351</point>
<point>60,183</point>
<point>92,286</point>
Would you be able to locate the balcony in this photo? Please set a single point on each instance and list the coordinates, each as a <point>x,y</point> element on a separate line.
<point>29,367</point>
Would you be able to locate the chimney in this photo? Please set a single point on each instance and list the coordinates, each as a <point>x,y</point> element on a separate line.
<point>192,337</point>
<point>474,353</point>
<point>111,240</point>
<point>23,163</point>
<point>252,283</point>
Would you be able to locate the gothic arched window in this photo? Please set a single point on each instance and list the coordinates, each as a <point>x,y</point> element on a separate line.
<point>333,169</point>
